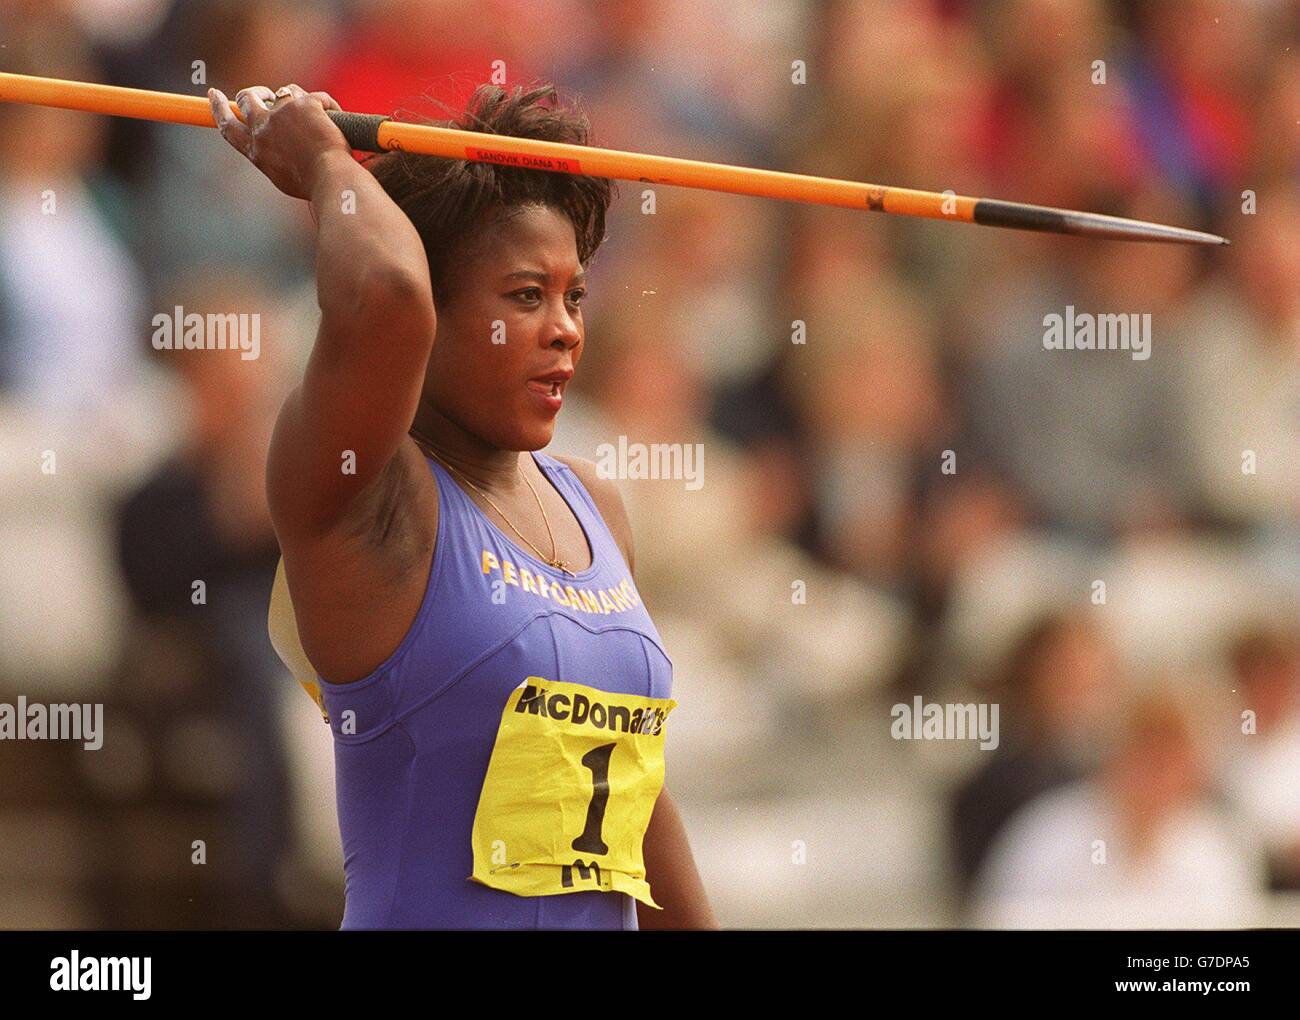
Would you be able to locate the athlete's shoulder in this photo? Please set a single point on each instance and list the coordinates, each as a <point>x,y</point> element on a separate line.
<point>608,500</point>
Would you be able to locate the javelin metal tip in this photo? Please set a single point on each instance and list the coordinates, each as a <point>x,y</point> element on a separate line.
<point>1021,216</point>
<point>1120,228</point>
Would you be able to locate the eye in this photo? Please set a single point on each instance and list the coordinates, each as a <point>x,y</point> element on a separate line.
<point>576,296</point>
<point>529,294</point>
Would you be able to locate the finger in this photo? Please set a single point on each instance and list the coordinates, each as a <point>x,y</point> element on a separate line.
<point>266,95</point>
<point>252,106</point>
<point>232,130</point>
<point>326,100</point>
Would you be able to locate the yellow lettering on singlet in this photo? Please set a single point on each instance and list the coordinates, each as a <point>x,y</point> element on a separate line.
<point>600,601</point>
<point>526,581</point>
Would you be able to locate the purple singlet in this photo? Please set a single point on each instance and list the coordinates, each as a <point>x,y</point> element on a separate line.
<point>412,741</point>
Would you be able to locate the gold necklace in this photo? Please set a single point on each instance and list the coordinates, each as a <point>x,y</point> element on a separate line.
<point>553,560</point>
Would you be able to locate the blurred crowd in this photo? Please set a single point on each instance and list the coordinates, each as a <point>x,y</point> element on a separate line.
<point>905,495</point>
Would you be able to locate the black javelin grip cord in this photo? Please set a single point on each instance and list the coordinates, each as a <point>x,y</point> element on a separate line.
<point>360,129</point>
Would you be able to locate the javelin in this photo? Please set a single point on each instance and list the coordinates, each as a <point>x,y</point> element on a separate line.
<point>378,133</point>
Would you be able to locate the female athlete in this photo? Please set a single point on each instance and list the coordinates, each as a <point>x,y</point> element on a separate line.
<point>461,605</point>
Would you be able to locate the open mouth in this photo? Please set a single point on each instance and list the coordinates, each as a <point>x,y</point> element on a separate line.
<point>547,388</point>
<point>549,393</point>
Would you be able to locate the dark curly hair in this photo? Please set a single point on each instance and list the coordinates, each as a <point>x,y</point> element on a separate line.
<point>450,200</point>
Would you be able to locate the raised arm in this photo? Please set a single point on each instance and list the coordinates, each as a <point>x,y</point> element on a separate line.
<point>345,421</point>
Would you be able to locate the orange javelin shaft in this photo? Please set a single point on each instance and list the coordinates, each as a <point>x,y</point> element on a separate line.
<point>377,133</point>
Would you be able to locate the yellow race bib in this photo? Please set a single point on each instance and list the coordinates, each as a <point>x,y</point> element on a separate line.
<point>573,779</point>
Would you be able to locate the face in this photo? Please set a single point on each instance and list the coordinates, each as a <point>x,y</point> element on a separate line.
<point>510,331</point>
<point>1073,681</point>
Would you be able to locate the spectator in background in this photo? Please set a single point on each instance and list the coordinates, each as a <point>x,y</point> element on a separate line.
<point>79,403</point>
<point>1192,84</point>
<point>399,50</point>
<point>1240,375</point>
<point>1054,689</point>
<point>867,395</point>
<point>203,517</point>
<point>1090,435</point>
<point>1136,845</point>
<point>1262,777</point>
<point>74,298</point>
<point>214,214</point>
<point>1275,155</point>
